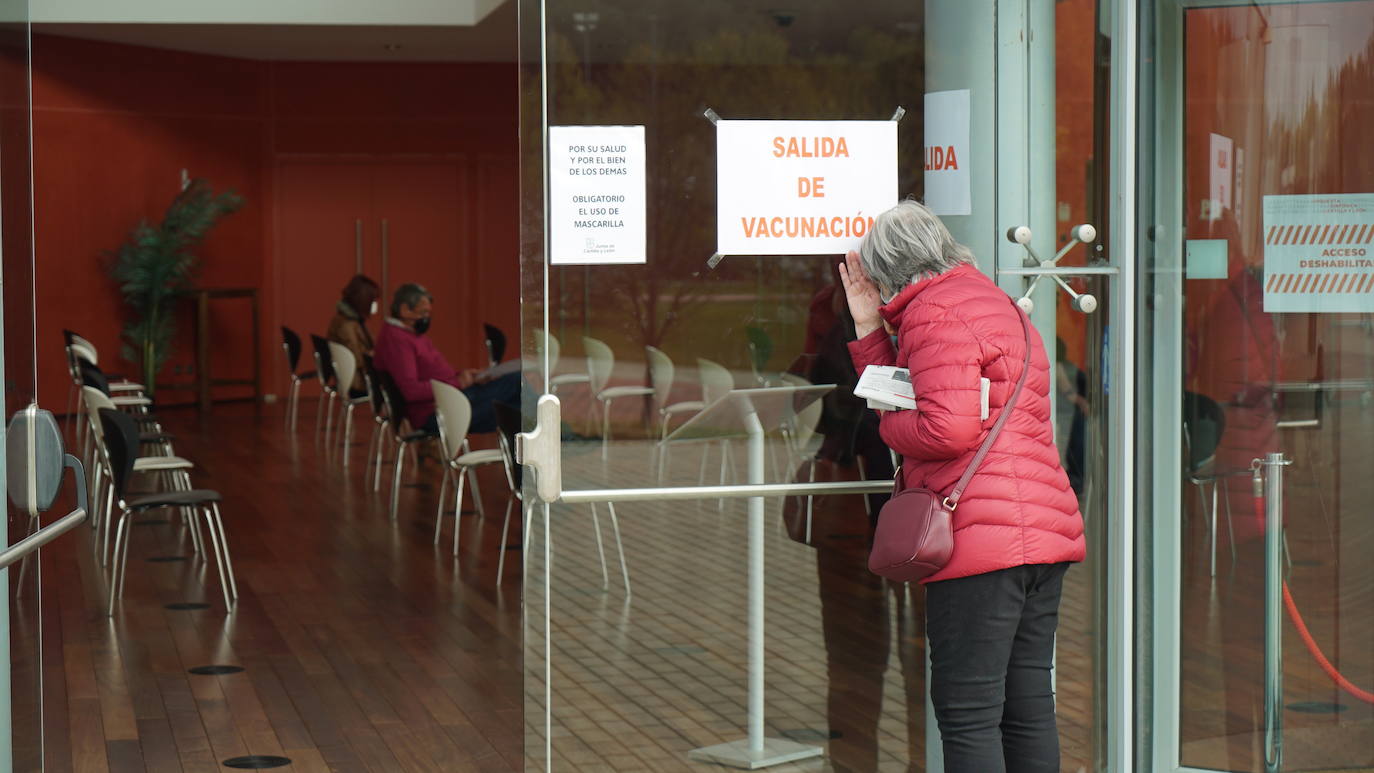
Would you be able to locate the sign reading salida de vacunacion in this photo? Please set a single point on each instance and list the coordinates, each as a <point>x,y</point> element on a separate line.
<point>597,199</point>
<point>801,187</point>
<point>1319,253</point>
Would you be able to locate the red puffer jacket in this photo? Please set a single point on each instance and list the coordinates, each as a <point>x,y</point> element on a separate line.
<point>952,330</point>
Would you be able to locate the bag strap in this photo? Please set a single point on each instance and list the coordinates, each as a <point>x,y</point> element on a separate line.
<point>952,501</point>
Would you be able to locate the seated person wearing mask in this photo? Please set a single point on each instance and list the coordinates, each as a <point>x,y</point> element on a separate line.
<point>404,351</point>
<point>349,326</point>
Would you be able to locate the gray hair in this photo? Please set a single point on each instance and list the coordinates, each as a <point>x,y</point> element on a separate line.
<point>907,243</point>
<point>408,294</point>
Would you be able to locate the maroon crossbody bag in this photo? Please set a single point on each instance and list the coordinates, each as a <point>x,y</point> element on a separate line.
<point>915,534</point>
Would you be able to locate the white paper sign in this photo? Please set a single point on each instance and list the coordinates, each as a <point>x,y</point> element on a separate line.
<point>1317,253</point>
<point>597,209</point>
<point>1220,176</point>
<point>801,187</point>
<point>947,154</point>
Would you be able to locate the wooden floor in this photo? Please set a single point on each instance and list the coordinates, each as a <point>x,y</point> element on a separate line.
<point>365,648</point>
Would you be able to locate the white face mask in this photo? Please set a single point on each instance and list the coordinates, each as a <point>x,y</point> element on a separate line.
<point>373,310</point>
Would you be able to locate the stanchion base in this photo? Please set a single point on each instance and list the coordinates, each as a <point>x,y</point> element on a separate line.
<point>736,754</point>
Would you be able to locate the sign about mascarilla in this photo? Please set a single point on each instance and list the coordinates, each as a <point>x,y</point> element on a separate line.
<point>1319,253</point>
<point>596,195</point>
<point>801,187</point>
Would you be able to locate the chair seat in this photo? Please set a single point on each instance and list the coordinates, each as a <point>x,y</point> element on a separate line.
<point>126,386</point>
<point>172,499</point>
<point>126,401</point>
<point>155,437</point>
<point>156,463</point>
<point>306,376</point>
<point>484,456</point>
<point>421,435</point>
<point>610,393</point>
<point>685,405</point>
<point>569,378</point>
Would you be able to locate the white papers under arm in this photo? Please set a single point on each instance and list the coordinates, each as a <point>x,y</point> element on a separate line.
<point>888,385</point>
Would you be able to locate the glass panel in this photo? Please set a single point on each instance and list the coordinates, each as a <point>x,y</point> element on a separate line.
<point>1263,314</point>
<point>20,597</point>
<point>649,657</point>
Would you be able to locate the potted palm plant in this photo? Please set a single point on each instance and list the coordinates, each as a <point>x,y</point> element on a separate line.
<point>156,268</point>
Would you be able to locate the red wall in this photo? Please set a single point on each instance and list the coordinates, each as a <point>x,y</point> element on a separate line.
<point>114,126</point>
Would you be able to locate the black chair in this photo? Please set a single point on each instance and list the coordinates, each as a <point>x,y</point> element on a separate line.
<point>121,447</point>
<point>508,425</point>
<point>291,345</point>
<point>495,342</point>
<point>92,377</point>
<point>401,431</point>
<point>381,421</point>
<point>329,387</point>
<point>1204,423</point>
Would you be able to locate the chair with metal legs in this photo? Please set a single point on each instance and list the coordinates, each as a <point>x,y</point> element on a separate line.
<point>291,346</point>
<point>121,443</point>
<point>495,342</point>
<point>716,382</point>
<point>381,423</point>
<point>508,424</point>
<point>662,374</point>
<point>138,405</point>
<point>77,349</point>
<point>402,434</point>
<point>345,368</point>
<point>1204,422</point>
<point>329,387</point>
<point>174,471</point>
<point>460,461</point>
<point>600,364</point>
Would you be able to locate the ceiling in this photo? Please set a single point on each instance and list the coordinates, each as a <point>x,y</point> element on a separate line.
<point>491,40</point>
<point>808,26</point>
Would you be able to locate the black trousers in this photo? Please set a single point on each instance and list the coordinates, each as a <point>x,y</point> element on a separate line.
<point>991,653</point>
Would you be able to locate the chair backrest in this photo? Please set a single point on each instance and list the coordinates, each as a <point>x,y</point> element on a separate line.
<point>374,389</point>
<point>544,340</point>
<point>805,421</point>
<point>600,362</point>
<point>455,416</point>
<point>88,346</point>
<point>92,376</point>
<point>81,351</point>
<point>345,365</point>
<point>392,399</point>
<point>1204,421</point>
<point>292,344</point>
<point>760,346</point>
<point>508,424</point>
<point>324,363</point>
<point>495,341</point>
<point>95,401</point>
<point>661,374</point>
<point>121,446</point>
<point>716,380</point>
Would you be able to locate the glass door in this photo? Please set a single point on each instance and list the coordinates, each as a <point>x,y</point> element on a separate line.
<point>664,623</point>
<point>1260,336</point>
<point>21,611</point>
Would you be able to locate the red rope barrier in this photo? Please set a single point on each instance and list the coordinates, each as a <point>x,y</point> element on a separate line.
<point>1312,648</point>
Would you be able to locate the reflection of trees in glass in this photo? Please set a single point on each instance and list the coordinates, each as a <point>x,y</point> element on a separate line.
<point>1324,146</point>
<point>664,71</point>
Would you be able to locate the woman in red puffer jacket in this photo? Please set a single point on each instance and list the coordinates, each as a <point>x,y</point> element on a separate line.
<point>991,612</point>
